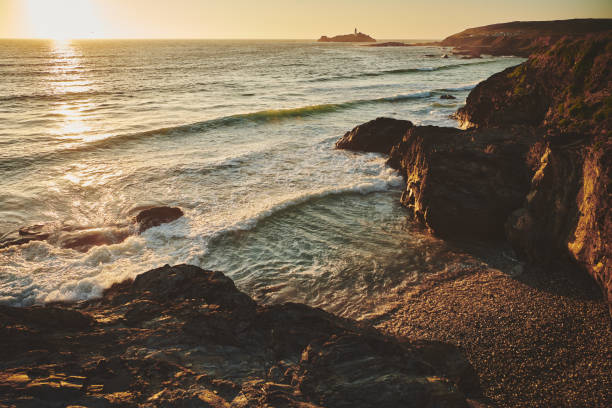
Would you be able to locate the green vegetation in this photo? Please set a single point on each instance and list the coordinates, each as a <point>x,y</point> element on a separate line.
<point>519,76</point>
<point>584,63</point>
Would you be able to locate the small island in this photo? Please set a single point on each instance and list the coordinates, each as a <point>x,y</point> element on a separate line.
<point>354,37</point>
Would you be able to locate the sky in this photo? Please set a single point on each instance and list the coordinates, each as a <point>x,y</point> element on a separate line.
<point>275,19</point>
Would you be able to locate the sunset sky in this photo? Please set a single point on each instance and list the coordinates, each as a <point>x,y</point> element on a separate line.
<point>399,19</point>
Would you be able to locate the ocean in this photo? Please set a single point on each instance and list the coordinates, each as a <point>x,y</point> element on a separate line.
<point>240,135</point>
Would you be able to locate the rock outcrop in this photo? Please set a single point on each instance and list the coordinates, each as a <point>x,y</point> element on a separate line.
<point>463,184</point>
<point>378,135</point>
<point>534,165</point>
<point>182,336</point>
<point>82,238</point>
<point>356,37</point>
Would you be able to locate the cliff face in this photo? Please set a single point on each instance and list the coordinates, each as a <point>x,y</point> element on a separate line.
<point>533,165</point>
<point>182,336</point>
<point>566,213</point>
<point>521,38</point>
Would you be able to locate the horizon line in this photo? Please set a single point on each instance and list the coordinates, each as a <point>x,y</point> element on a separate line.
<point>199,38</point>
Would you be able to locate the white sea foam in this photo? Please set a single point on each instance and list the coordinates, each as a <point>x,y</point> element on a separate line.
<point>134,137</point>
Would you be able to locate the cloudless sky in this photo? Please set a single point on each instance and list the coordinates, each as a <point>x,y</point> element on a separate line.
<point>303,19</point>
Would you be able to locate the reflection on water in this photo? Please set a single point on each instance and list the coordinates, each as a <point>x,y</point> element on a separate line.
<point>239,136</point>
<point>68,78</point>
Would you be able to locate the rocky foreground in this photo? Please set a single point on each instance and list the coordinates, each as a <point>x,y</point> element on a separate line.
<point>182,336</point>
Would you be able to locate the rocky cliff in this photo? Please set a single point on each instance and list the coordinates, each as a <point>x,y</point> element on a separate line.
<point>521,38</point>
<point>532,165</point>
<point>182,336</point>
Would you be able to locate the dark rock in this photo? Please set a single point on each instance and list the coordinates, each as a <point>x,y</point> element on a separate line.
<point>83,240</point>
<point>155,216</point>
<point>193,339</point>
<point>447,96</point>
<point>378,135</point>
<point>47,317</point>
<point>463,184</point>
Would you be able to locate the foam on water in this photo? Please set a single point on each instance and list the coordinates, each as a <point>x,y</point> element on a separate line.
<point>239,135</point>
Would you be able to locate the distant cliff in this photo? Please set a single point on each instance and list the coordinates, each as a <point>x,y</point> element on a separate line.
<point>356,37</point>
<point>521,38</point>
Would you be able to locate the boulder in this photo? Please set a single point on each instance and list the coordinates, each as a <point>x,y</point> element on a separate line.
<point>378,135</point>
<point>153,217</point>
<point>82,238</point>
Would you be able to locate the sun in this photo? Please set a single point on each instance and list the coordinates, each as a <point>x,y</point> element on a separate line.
<point>62,19</point>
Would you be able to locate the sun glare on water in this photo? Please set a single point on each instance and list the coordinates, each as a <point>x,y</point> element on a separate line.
<point>62,19</point>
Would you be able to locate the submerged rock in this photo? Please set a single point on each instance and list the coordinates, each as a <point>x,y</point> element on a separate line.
<point>182,336</point>
<point>153,217</point>
<point>447,96</point>
<point>378,135</point>
<point>82,238</point>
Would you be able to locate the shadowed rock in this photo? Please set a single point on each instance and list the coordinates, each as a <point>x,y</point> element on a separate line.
<point>155,216</point>
<point>182,336</point>
<point>378,135</point>
<point>463,184</point>
<point>82,239</point>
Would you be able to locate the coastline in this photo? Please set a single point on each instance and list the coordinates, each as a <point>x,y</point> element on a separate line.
<point>509,333</point>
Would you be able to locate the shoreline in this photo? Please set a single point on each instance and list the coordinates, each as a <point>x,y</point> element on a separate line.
<point>532,331</point>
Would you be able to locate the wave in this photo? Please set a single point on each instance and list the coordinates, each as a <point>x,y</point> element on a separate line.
<point>400,71</point>
<point>271,115</point>
<point>389,179</point>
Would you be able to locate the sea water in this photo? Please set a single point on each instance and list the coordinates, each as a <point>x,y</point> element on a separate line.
<point>240,135</point>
